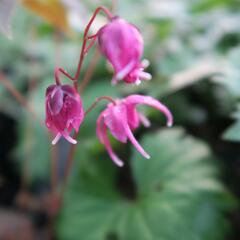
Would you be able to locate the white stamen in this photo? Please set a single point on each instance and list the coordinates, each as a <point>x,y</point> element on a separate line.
<point>144,75</point>
<point>138,82</point>
<point>125,71</point>
<point>70,139</point>
<point>55,140</point>
<point>145,63</point>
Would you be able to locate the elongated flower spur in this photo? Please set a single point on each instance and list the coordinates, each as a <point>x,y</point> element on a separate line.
<point>64,111</point>
<point>122,44</point>
<point>122,118</point>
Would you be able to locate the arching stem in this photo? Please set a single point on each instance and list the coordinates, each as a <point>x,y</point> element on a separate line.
<point>88,75</point>
<point>110,16</point>
<point>109,99</point>
<point>73,146</point>
<point>84,48</point>
<point>86,80</point>
<point>18,96</point>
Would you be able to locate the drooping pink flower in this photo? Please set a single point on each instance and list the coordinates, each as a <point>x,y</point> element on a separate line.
<point>64,111</point>
<point>122,118</point>
<point>122,44</point>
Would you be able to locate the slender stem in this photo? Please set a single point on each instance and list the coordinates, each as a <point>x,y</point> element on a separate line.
<point>84,48</point>
<point>88,76</point>
<point>97,101</point>
<point>73,146</point>
<point>110,16</point>
<point>92,36</point>
<point>17,95</point>
<point>56,76</point>
<point>68,167</point>
<point>64,72</point>
<point>54,168</point>
<point>86,80</point>
<point>90,45</point>
<point>25,174</point>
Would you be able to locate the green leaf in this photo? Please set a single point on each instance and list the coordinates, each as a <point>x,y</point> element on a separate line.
<point>178,195</point>
<point>230,78</point>
<point>34,147</point>
<point>233,132</point>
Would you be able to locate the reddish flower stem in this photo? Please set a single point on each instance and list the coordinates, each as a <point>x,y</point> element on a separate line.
<point>18,96</point>
<point>64,72</point>
<point>110,16</point>
<point>54,168</point>
<point>90,45</point>
<point>73,147</point>
<point>97,101</point>
<point>84,48</point>
<point>86,80</point>
<point>68,167</point>
<point>56,76</point>
<point>88,76</point>
<point>92,36</point>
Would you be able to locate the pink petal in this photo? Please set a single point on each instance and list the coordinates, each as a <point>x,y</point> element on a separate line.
<point>122,45</point>
<point>135,142</point>
<point>56,100</point>
<point>132,116</point>
<point>50,89</point>
<point>139,99</point>
<point>114,118</point>
<point>99,127</point>
<point>102,135</point>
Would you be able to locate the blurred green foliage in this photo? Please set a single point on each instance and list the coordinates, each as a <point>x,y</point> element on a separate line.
<point>176,194</point>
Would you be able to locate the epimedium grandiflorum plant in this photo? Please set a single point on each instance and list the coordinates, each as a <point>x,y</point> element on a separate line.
<point>122,45</point>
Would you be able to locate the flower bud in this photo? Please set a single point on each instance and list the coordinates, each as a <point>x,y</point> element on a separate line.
<point>122,44</point>
<point>64,111</point>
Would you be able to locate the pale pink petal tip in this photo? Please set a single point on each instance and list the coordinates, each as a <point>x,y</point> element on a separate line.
<point>119,163</point>
<point>169,119</point>
<point>113,156</point>
<point>148,157</point>
<point>168,115</point>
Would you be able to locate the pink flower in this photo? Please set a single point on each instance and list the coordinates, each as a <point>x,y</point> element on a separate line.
<point>64,111</point>
<point>122,44</point>
<point>122,117</point>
